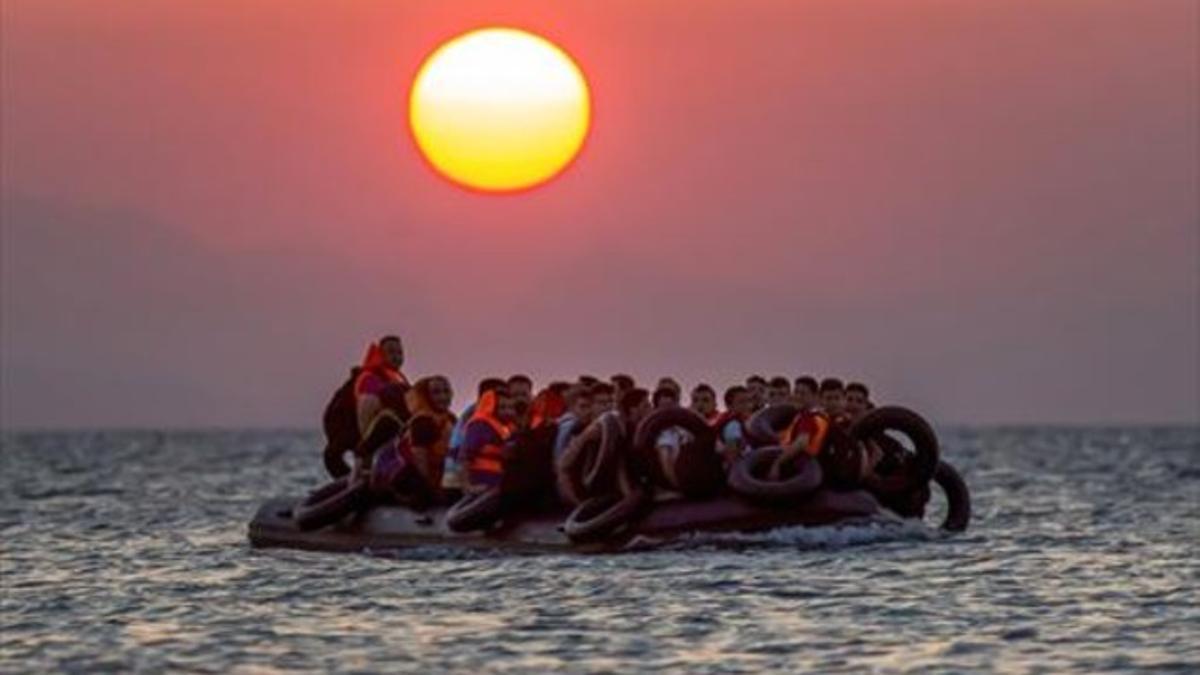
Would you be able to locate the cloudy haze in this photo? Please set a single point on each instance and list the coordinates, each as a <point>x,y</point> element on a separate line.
<point>987,210</point>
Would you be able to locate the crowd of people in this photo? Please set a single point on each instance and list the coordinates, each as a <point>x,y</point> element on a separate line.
<point>408,444</point>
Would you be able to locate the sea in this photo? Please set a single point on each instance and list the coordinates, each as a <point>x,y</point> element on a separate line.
<point>127,552</point>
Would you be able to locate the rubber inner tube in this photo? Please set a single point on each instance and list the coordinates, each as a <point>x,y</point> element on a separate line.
<point>577,460</point>
<point>599,471</point>
<point>764,427</point>
<point>697,468</point>
<point>600,516</point>
<point>476,512</point>
<point>915,468</point>
<point>335,460</point>
<point>748,476</point>
<point>330,504</point>
<point>958,497</point>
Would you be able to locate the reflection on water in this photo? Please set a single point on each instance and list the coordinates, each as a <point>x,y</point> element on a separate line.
<point>127,551</point>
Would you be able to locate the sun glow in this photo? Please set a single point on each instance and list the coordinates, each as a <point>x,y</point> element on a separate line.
<point>499,109</point>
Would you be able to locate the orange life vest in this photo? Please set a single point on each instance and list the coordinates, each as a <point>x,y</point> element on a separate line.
<point>488,459</point>
<point>814,423</point>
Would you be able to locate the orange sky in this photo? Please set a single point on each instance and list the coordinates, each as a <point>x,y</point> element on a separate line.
<point>988,210</point>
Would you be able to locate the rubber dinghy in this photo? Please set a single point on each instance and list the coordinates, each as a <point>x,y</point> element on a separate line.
<point>392,527</point>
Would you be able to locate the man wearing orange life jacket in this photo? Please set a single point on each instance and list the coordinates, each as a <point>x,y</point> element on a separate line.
<point>805,435</point>
<point>379,392</point>
<point>485,439</point>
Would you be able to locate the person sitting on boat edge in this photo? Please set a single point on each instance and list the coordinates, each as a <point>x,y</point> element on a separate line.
<point>380,381</point>
<point>485,439</point>
<point>704,402</point>
<point>407,470</point>
<point>452,469</point>
<point>430,426</point>
<point>731,424</point>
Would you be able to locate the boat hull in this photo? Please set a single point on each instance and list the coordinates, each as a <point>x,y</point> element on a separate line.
<point>392,527</point>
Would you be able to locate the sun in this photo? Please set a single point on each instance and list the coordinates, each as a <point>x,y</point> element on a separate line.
<point>499,109</point>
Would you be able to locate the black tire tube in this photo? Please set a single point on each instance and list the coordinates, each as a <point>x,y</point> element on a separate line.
<point>605,459</point>
<point>744,477</point>
<point>958,497</point>
<point>764,427</point>
<point>911,425</point>
<point>573,465</point>
<point>335,461</point>
<point>600,516</point>
<point>330,504</point>
<point>661,420</point>
<point>476,512</point>
<point>698,467</point>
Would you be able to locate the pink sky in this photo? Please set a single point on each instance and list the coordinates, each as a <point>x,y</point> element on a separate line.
<point>987,210</point>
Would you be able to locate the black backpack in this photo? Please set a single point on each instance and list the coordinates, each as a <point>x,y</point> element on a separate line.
<point>340,423</point>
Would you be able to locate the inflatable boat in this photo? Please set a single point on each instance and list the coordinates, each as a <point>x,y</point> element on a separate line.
<point>395,527</point>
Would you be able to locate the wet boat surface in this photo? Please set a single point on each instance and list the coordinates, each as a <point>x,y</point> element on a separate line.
<point>392,527</point>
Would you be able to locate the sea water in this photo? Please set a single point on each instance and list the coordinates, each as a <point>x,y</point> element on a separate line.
<point>127,551</point>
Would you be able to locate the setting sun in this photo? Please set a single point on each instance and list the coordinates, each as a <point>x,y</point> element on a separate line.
<point>499,109</point>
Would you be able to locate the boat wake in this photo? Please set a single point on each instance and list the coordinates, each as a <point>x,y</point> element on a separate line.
<point>874,531</point>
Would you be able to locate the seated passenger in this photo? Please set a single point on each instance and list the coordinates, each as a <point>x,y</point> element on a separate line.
<point>704,402</point>
<point>381,410</point>
<point>621,383</point>
<point>430,426</point>
<point>603,398</point>
<point>833,400</point>
<point>731,424</point>
<point>520,390</point>
<point>779,390</point>
<point>757,386</point>
<point>452,479</point>
<point>667,382</point>
<point>484,445</point>
<point>670,441</point>
<point>806,435</point>
<point>575,420</point>
<point>549,405</point>
<point>805,394</point>
<point>858,400</point>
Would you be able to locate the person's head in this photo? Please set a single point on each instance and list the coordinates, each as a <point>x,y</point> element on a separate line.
<point>704,400</point>
<point>520,390</point>
<point>506,409</point>
<point>805,395</point>
<point>858,399</point>
<point>635,405</point>
<point>671,383</point>
<point>603,397</point>
<point>441,395</point>
<point>621,383</point>
<point>393,350</point>
<point>738,400</point>
<point>779,390</point>
<point>489,384</point>
<point>559,387</point>
<point>833,395</point>
<point>757,386</point>
<point>665,397</point>
<point>579,402</point>
<point>588,381</point>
